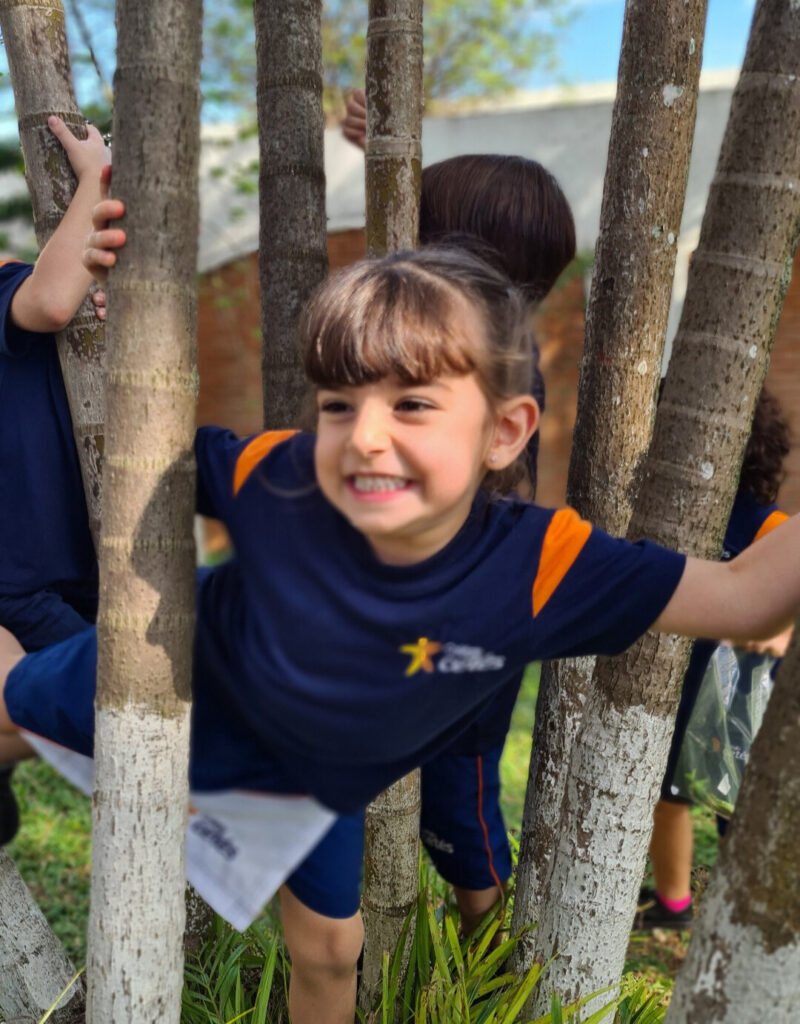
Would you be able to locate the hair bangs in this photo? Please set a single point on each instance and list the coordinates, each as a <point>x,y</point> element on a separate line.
<point>380,320</point>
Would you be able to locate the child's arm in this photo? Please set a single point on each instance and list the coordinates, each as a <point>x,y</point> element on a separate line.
<point>752,597</point>
<point>48,299</point>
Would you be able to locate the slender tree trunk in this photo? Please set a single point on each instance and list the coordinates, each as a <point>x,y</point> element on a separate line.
<point>34,970</point>
<point>645,185</point>
<point>35,39</point>
<point>292,249</point>
<point>736,286</point>
<point>393,168</point>
<point>147,548</point>
<point>743,965</point>
<point>33,967</point>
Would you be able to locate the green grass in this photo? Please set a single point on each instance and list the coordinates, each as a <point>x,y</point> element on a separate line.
<point>52,852</point>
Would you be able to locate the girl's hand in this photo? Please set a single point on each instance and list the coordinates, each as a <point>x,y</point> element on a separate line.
<point>87,156</point>
<point>99,254</point>
<point>354,126</point>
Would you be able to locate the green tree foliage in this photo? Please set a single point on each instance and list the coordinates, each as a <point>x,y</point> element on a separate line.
<point>471,49</point>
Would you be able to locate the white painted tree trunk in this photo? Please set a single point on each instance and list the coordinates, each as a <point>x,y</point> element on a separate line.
<point>147,554</point>
<point>743,964</point>
<point>393,175</point>
<point>34,969</point>
<point>601,845</point>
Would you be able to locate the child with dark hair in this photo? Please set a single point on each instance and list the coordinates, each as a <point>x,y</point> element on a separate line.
<point>48,569</point>
<point>668,904</point>
<point>384,590</point>
<point>511,212</point>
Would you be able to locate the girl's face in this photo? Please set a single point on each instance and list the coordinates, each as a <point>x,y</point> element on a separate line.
<point>403,462</point>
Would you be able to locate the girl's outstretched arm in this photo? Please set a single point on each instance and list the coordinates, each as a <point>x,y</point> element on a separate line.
<point>752,597</point>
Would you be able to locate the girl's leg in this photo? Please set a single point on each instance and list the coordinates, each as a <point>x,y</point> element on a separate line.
<point>671,850</point>
<point>12,746</point>
<point>324,953</point>
<point>474,905</point>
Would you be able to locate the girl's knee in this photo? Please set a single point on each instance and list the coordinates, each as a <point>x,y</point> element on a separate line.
<point>318,943</point>
<point>11,652</point>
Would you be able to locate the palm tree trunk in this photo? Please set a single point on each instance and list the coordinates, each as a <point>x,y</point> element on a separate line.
<point>736,287</point>
<point>393,168</point>
<point>645,185</point>
<point>35,39</point>
<point>147,549</point>
<point>293,256</point>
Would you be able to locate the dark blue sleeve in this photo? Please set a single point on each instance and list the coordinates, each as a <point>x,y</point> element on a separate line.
<point>611,595</point>
<point>14,341</point>
<point>217,452</point>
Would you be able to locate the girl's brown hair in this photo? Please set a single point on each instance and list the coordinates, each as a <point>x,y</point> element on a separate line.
<point>767,447</point>
<point>509,202</point>
<point>407,315</point>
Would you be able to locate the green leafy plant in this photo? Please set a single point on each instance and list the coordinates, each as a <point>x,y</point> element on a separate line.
<point>237,977</point>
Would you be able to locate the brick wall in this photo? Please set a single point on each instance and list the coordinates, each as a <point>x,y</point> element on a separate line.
<point>783,380</point>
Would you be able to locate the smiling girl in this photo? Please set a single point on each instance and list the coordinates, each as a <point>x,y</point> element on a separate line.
<point>386,585</point>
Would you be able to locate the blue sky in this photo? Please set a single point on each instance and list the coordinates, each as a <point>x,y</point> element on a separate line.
<point>588,48</point>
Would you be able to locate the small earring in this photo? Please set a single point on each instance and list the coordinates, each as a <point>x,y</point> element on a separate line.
<point>492,458</point>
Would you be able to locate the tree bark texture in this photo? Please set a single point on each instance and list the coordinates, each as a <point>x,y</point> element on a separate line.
<point>391,871</point>
<point>743,964</point>
<point>394,125</point>
<point>147,559</point>
<point>393,170</point>
<point>33,966</point>
<point>293,255</point>
<point>34,970</point>
<point>643,196</point>
<point>737,282</point>
<point>35,39</point>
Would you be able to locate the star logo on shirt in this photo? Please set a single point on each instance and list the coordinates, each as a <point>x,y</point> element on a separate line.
<point>421,654</point>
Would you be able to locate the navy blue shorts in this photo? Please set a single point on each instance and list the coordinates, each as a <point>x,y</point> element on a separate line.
<point>52,691</point>
<point>462,825</point>
<point>49,616</point>
<point>462,828</point>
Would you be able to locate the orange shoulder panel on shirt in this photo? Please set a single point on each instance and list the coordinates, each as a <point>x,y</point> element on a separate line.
<point>258,449</point>
<point>563,542</point>
<point>773,519</point>
<point>4,262</point>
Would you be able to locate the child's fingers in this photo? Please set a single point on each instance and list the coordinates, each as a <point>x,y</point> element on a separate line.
<point>106,239</point>
<point>97,262</point>
<point>61,132</point>
<point>99,299</point>
<point>107,210</point>
<point>105,181</point>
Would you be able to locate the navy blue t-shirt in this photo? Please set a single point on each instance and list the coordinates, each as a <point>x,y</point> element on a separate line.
<point>44,532</point>
<point>319,669</point>
<point>352,671</point>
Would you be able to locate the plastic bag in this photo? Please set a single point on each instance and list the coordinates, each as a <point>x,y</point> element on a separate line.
<point>724,721</point>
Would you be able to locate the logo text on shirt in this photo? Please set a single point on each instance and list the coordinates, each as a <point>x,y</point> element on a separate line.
<point>455,658</point>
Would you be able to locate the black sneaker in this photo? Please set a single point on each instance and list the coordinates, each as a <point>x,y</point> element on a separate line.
<point>9,812</point>
<point>651,913</point>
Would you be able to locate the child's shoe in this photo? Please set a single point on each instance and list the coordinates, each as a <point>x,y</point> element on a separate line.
<point>653,913</point>
<point>9,812</point>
